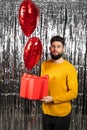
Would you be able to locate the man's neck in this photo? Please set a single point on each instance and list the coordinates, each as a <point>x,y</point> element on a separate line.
<point>60,60</point>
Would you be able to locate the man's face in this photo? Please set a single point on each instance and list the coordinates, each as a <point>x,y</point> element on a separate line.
<point>56,50</point>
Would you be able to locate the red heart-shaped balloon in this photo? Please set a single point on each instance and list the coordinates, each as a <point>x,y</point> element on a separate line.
<point>28,16</point>
<point>32,52</point>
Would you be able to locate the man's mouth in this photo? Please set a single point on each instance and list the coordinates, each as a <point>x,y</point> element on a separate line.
<point>55,53</point>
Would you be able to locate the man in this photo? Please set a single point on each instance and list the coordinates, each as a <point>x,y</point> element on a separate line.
<point>63,88</point>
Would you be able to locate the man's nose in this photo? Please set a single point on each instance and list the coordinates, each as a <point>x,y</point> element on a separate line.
<point>55,48</point>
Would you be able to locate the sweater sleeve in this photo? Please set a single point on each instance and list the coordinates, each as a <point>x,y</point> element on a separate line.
<point>42,69</point>
<point>72,85</point>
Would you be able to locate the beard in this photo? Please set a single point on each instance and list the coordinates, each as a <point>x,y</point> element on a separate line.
<point>56,57</point>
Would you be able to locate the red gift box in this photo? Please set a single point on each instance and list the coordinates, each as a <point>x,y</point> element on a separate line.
<point>33,87</point>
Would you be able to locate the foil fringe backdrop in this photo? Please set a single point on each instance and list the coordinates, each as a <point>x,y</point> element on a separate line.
<point>67,18</point>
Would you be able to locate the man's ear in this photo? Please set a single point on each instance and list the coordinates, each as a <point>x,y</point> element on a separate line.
<point>63,49</point>
<point>50,48</point>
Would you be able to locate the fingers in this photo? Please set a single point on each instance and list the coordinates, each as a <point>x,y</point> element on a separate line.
<point>45,99</point>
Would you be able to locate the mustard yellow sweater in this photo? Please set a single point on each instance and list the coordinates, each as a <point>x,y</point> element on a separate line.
<point>63,87</point>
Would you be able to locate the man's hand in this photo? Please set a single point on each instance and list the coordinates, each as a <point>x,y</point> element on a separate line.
<point>47,99</point>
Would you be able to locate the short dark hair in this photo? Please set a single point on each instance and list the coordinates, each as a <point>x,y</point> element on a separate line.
<point>57,38</point>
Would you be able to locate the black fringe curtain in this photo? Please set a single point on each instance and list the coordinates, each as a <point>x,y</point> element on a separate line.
<point>67,18</point>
